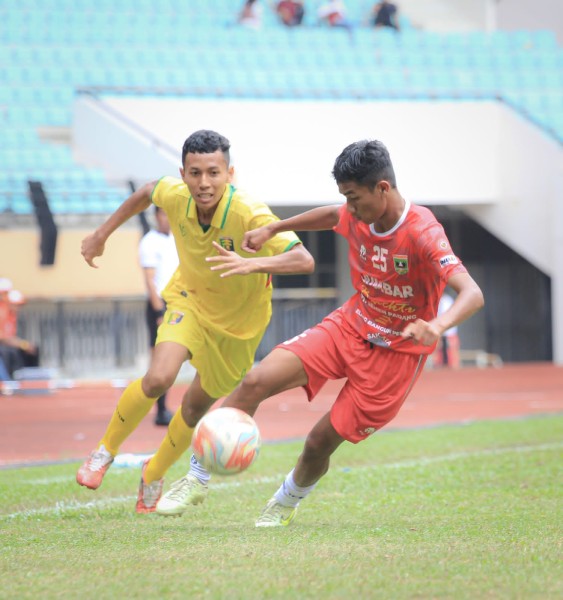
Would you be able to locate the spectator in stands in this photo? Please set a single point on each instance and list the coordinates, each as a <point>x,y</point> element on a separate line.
<point>250,14</point>
<point>218,305</point>
<point>447,350</point>
<point>15,352</point>
<point>385,14</point>
<point>290,12</point>
<point>159,260</point>
<point>333,13</point>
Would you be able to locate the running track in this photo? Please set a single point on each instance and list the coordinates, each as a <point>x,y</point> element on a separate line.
<point>67,424</point>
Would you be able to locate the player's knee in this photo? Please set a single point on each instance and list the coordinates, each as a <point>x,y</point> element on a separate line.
<point>155,384</point>
<point>192,414</point>
<point>316,446</point>
<point>254,387</point>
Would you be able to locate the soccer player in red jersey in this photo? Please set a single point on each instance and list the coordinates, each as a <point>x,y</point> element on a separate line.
<point>378,340</point>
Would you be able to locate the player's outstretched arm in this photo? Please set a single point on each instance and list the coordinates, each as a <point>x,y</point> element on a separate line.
<point>316,219</point>
<point>93,245</point>
<point>298,260</point>
<point>468,301</point>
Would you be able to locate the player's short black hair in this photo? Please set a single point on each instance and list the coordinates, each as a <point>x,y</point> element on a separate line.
<point>206,141</point>
<point>366,163</point>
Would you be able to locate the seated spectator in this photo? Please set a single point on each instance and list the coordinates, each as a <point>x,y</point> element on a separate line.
<point>333,13</point>
<point>15,352</point>
<point>251,14</point>
<point>385,15</point>
<point>5,287</point>
<point>290,12</point>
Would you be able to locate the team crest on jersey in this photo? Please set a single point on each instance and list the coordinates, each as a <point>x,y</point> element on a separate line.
<point>175,317</point>
<point>363,253</point>
<point>227,243</point>
<point>401,262</point>
<point>443,245</point>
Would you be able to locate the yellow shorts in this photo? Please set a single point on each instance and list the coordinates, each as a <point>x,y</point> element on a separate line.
<point>221,360</point>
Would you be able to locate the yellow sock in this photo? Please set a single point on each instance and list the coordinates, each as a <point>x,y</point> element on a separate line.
<point>132,407</point>
<point>175,443</point>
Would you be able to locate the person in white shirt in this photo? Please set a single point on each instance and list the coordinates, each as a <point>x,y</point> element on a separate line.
<point>159,260</point>
<point>447,350</point>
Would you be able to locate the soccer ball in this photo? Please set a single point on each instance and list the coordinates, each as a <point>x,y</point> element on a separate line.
<point>226,441</point>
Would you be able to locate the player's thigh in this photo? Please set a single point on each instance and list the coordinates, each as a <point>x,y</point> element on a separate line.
<point>281,370</point>
<point>166,360</point>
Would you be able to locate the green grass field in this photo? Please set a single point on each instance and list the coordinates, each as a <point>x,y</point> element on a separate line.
<point>458,512</point>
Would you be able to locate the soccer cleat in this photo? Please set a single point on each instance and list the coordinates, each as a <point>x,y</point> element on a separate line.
<point>149,493</point>
<point>276,515</point>
<point>185,491</point>
<point>94,468</point>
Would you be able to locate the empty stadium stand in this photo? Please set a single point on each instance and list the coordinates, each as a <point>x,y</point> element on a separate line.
<point>49,49</point>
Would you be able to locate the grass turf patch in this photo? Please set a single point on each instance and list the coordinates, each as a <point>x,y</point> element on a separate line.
<point>451,512</point>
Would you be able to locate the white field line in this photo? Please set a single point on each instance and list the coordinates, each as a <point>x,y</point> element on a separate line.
<point>72,505</point>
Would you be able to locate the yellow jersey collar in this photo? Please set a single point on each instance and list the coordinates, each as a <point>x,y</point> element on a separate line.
<point>220,216</point>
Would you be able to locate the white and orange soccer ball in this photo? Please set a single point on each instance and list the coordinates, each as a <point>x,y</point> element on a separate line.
<point>226,441</point>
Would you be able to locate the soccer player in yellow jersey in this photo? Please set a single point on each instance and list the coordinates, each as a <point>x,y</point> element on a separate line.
<point>218,305</point>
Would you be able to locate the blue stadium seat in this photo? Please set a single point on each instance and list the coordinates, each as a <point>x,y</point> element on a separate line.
<point>51,47</point>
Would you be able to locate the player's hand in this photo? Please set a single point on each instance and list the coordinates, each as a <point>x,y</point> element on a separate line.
<point>92,247</point>
<point>422,332</point>
<point>255,239</point>
<point>230,262</point>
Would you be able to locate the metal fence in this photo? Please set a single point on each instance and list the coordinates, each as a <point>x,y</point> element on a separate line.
<point>98,337</point>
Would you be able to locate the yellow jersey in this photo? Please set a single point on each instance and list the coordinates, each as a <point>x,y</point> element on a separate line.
<point>240,305</point>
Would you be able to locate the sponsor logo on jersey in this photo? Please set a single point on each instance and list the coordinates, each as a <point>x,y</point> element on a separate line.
<point>227,243</point>
<point>182,229</point>
<point>397,291</point>
<point>450,259</point>
<point>401,262</point>
<point>175,317</point>
<point>378,340</point>
<point>381,331</point>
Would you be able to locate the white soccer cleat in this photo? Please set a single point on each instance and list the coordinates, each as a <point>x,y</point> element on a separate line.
<point>276,515</point>
<point>149,493</point>
<point>184,492</point>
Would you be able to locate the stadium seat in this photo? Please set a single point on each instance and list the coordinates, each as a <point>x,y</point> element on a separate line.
<point>52,47</point>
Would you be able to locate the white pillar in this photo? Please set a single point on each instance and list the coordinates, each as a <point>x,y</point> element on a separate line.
<point>491,15</point>
<point>557,273</point>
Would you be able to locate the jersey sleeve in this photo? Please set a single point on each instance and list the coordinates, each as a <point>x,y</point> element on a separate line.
<point>158,196</point>
<point>281,242</point>
<point>438,252</point>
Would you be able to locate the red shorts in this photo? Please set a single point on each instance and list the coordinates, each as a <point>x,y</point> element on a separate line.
<point>378,380</point>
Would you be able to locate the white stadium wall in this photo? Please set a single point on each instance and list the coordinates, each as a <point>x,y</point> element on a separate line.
<point>283,151</point>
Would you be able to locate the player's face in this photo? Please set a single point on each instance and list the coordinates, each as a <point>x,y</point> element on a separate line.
<point>206,176</point>
<point>365,204</point>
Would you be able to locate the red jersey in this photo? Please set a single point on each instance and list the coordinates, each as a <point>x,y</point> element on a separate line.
<point>7,323</point>
<point>398,275</point>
